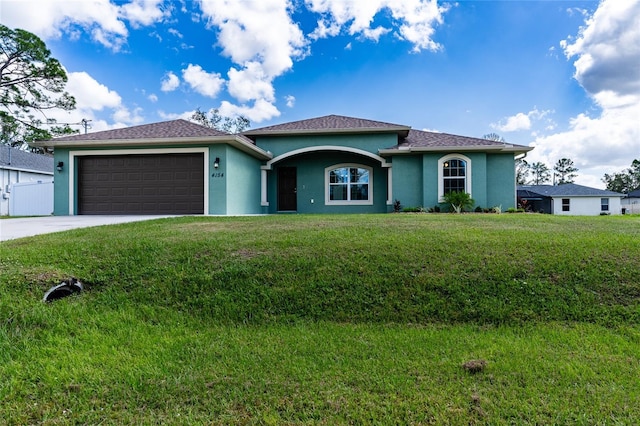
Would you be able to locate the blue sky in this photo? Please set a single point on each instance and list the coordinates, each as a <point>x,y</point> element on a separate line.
<point>562,76</point>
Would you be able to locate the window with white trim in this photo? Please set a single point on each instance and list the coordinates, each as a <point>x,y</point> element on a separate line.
<point>566,204</point>
<point>349,184</point>
<point>604,204</point>
<point>454,174</point>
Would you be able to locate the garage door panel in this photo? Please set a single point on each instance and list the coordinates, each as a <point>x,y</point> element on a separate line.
<point>141,184</point>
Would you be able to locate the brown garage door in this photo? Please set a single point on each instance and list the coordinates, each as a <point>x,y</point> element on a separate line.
<point>141,184</point>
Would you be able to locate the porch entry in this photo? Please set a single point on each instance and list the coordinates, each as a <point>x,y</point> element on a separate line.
<point>287,189</point>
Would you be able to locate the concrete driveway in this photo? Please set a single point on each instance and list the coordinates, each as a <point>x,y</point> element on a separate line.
<point>11,229</point>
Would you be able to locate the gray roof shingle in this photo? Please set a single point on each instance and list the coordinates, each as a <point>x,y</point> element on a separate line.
<point>407,137</point>
<point>163,130</point>
<point>565,190</point>
<point>423,139</point>
<point>328,123</point>
<point>633,194</point>
<point>23,160</point>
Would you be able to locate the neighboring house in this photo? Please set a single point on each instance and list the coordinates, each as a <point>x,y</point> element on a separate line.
<point>569,199</point>
<point>330,164</point>
<point>631,202</point>
<point>18,167</point>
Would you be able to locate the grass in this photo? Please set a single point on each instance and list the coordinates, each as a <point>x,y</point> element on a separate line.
<point>325,320</point>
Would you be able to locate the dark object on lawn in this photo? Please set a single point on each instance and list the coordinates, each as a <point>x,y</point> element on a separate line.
<point>64,289</point>
<point>475,365</point>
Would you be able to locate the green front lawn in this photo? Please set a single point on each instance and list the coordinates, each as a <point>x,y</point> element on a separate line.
<point>363,319</point>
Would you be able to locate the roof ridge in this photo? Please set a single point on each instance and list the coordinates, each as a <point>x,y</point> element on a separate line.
<point>331,122</point>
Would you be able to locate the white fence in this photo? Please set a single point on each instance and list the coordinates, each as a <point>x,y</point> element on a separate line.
<point>31,199</point>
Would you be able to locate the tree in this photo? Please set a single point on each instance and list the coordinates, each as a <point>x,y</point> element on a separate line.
<point>540,173</point>
<point>625,181</point>
<point>224,124</point>
<point>522,171</point>
<point>459,200</point>
<point>31,83</point>
<point>493,137</point>
<point>564,171</point>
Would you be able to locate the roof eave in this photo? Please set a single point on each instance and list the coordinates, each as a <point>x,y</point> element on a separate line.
<point>234,140</point>
<point>26,169</point>
<point>469,148</point>
<point>403,131</point>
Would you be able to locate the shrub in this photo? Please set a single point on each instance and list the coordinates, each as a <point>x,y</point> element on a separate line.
<point>459,200</point>
<point>479,209</point>
<point>419,209</point>
<point>397,207</point>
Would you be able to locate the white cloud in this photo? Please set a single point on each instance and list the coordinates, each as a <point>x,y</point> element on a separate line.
<point>143,12</point>
<point>608,48</point>
<point>204,83</point>
<point>175,32</point>
<point>415,20</point>
<point>260,111</point>
<point>93,97</point>
<point>186,115</point>
<point>126,117</point>
<point>291,100</point>
<point>608,53</point>
<point>105,21</point>
<point>170,82</point>
<point>250,83</point>
<point>523,121</point>
<point>261,38</point>
<point>259,31</point>
<point>153,98</point>
<point>89,94</point>
<point>520,121</point>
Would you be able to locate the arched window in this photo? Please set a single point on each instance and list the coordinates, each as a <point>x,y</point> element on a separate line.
<point>454,174</point>
<point>347,184</point>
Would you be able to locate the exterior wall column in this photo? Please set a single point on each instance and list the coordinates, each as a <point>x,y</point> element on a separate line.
<point>389,186</point>
<point>263,188</point>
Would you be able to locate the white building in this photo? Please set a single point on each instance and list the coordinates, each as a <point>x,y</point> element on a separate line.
<point>569,199</point>
<point>20,167</point>
<point>631,202</point>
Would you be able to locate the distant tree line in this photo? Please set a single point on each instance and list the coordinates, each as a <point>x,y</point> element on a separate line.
<point>539,173</point>
<point>625,181</point>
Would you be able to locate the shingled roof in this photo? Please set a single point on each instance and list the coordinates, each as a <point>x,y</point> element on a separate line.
<point>163,130</point>
<point>419,140</point>
<point>408,139</point>
<point>564,190</point>
<point>166,133</point>
<point>16,159</point>
<point>329,124</point>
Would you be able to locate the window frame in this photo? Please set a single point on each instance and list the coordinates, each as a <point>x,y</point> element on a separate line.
<point>467,184</point>
<point>566,204</point>
<point>604,204</point>
<point>348,202</point>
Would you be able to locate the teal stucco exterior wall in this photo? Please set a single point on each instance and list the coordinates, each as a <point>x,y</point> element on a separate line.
<point>234,187</point>
<point>372,143</point>
<point>416,179</point>
<point>311,187</point>
<point>61,184</point>
<point>408,180</point>
<point>310,169</point>
<point>501,181</point>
